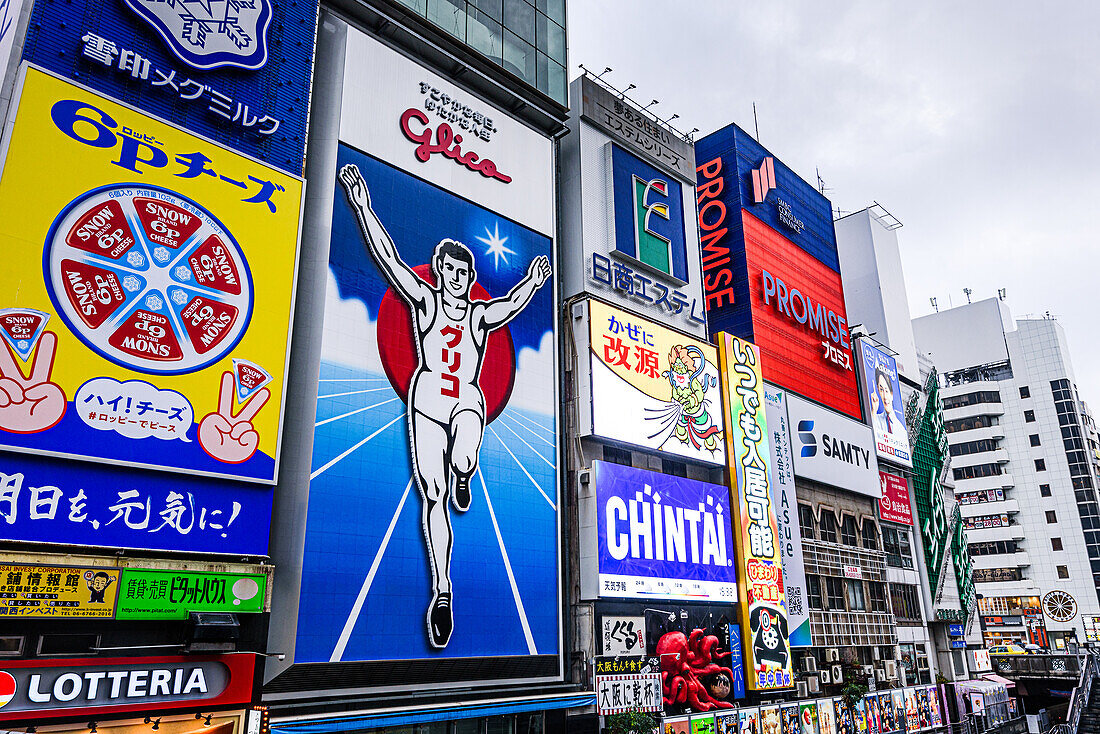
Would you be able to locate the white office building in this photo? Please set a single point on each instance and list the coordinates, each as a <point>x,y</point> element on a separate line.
<point>1023,448</point>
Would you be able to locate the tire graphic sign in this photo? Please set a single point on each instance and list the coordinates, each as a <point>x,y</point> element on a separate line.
<point>146,297</point>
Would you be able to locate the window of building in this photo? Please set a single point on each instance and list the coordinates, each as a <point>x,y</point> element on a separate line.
<point>977,471</point>
<point>834,589</point>
<point>877,591</point>
<point>616,455</point>
<point>806,521</point>
<point>11,645</point>
<point>870,536</point>
<point>1040,465</point>
<point>856,600</point>
<point>828,526</point>
<point>1029,416</point>
<point>1056,544</point>
<point>813,588</point>
<point>991,575</point>
<point>1025,391</point>
<point>1052,516</point>
<point>973,447</point>
<point>1034,438</point>
<point>984,495</point>
<point>675,468</point>
<point>969,424</point>
<point>971,398</point>
<point>1063,572</point>
<point>848,530</point>
<point>905,602</point>
<point>1044,490</point>
<point>992,548</point>
<point>895,543</point>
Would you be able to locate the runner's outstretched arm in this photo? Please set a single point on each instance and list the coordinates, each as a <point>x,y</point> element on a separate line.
<point>379,244</point>
<point>500,311</point>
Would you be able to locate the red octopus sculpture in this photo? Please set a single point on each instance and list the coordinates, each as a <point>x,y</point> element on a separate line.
<point>681,674</point>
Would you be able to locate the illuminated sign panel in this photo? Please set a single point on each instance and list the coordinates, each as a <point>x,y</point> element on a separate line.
<point>770,268</point>
<point>757,539</point>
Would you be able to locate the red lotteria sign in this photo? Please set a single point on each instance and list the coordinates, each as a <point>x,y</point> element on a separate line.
<point>34,691</point>
<point>894,503</point>
<point>798,319</point>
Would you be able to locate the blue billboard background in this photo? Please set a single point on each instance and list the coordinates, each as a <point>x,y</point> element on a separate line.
<point>77,503</point>
<point>105,45</point>
<point>631,488</point>
<point>366,581</point>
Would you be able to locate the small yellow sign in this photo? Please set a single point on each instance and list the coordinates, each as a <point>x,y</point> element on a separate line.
<point>57,591</point>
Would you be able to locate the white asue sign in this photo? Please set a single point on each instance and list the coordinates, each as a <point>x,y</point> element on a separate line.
<point>832,449</point>
<point>426,125</point>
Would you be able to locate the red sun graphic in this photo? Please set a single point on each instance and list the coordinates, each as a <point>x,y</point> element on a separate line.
<point>397,348</point>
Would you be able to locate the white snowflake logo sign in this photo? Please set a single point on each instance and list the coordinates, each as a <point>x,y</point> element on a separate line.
<point>207,34</point>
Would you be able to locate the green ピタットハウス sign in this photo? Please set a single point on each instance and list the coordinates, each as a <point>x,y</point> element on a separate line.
<point>149,594</point>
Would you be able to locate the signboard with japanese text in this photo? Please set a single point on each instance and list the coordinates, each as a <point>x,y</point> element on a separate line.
<point>757,541</point>
<point>678,544</point>
<point>654,388</point>
<point>1091,623</point>
<point>432,523</point>
<point>149,594</point>
<point>698,646</point>
<point>882,400</point>
<point>893,504</point>
<point>833,449</point>
<point>36,691</point>
<point>634,692</point>
<point>146,324</point>
<point>771,271</point>
<point>241,78</point>
<point>59,592</point>
<point>786,515</point>
<point>623,635</point>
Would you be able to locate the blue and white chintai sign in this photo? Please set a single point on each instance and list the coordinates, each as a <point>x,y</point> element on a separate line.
<point>662,537</point>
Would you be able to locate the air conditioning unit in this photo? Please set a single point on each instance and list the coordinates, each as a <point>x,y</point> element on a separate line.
<point>837,674</point>
<point>825,678</point>
<point>802,689</point>
<point>880,675</point>
<point>876,651</point>
<point>891,669</point>
<point>868,670</point>
<point>809,664</point>
<point>814,684</point>
<point>832,655</point>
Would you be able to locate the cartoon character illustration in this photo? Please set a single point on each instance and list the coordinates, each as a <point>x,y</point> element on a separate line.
<point>97,587</point>
<point>227,437</point>
<point>694,424</point>
<point>446,407</point>
<point>685,662</point>
<point>30,404</point>
<point>769,636</point>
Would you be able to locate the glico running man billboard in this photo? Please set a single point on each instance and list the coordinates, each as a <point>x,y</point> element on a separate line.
<point>148,280</point>
<point>432,528</point>
<point>771,273</point>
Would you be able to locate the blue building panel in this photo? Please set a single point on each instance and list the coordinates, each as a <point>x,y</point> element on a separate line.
<point>244,83</point>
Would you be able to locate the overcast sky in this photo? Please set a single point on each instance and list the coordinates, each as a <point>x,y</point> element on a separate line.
<point>975,123</point>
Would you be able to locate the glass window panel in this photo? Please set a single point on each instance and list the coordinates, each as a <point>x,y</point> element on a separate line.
<point>519,57</point>
<point>558,84</point>
<point>485,35</point>
<point>450,15</point>
<point>417,6</point>
<point>553,8</point>
<point>519,18</point>
<point>492,8</point>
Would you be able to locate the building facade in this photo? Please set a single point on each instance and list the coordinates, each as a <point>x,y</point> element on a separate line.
<point>1023,470</point>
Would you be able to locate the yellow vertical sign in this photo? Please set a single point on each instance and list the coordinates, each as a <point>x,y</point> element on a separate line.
<point>756,533</point>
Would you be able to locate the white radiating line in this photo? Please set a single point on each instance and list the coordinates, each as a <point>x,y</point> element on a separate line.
<point>533,423</point>
<point>527,428</point>
<point>327,466</point>
<point>521,466</point>
<point>508,567</point>
<point>548,462</point>
<point>353,379</point>
<point>360,410</point>
<point>357,607</point>
<point>353,392</point>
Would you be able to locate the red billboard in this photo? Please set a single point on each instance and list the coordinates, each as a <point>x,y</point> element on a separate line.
<point>894,503</point>
<point>798,319</point>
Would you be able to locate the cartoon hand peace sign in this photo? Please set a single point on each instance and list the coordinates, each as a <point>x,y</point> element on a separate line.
<point>30,404</point>
<point>227,437</point>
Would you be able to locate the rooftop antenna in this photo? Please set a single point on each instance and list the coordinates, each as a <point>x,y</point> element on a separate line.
<point>755,122</point>
<point>967,291</point>
<point>935,305</point>
<point>1002,293</point>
